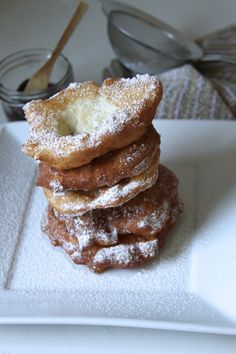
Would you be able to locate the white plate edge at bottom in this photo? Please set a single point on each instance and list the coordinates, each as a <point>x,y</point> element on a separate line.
<point>117,322</point>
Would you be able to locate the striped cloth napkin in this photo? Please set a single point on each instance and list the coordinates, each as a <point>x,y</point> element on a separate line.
<point>189,95</point>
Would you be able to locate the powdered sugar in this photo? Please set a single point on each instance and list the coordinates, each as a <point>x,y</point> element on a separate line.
<point>15,188</point>
<point>170,288</point>
<point>120,106</point>
<point>74,85</point>
<point>89,231</point>
<point>46,281</point>
<point>37,263</point>
<point>157,218</point>
<point>148,214</point>
<point>126,254</point>
<point>56,185</point>
<point>105,197</point>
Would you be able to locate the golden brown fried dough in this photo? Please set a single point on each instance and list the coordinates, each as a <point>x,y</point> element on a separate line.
<point>149,213</point>
<point>107,170</point>
<point>132,250</point>
<point>120,237</point>
<point>87,120</point>
<point>79,202</point>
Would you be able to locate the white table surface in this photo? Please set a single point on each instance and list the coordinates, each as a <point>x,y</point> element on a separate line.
<point>32,23</point>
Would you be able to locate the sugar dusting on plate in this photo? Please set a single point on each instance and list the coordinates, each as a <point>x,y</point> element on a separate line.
<point>16,178</point>
<point>39,266</point>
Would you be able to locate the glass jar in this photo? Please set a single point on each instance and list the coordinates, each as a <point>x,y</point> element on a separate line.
<point>18,67</point>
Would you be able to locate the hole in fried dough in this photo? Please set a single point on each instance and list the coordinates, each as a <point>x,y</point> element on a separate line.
<point>85,116</point>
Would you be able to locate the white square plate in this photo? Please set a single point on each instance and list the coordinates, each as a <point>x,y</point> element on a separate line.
<point>190,286</point>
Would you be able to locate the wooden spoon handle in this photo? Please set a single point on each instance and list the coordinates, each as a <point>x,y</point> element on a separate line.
<point>79,13</point>
<point>40,79</point>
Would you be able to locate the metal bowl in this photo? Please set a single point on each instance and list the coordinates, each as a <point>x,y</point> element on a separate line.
<point>144,43</point>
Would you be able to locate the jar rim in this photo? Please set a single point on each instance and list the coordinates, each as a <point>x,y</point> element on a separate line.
<point>5,91</point>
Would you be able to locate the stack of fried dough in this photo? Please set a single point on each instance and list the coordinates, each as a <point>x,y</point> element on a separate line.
<point>110,202</point>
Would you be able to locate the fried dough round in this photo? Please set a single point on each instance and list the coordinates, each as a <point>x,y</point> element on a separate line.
<point>149,213</point>
<point>132,251</point>
<point>87,120</point>
<point>111,237</point>
<point>107,170</point>
<point>79,202</point>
